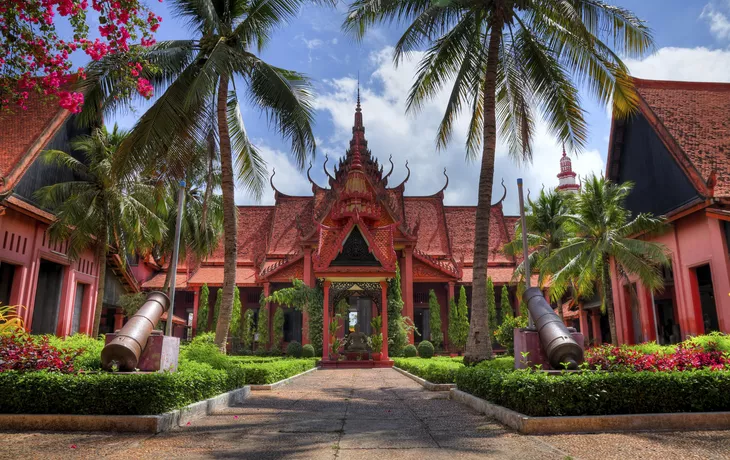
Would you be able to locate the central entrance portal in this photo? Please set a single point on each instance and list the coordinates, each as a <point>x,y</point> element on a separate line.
<point>359,315</point>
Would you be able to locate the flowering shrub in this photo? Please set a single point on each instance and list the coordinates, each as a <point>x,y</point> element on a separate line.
<point>34,58</point>
<point>686,357</point>
<point>23,354</point>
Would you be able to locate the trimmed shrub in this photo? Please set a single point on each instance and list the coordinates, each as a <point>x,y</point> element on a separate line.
<point>410,351</point>
<point>308,351</point>
<point>425,349</point>
<point>271,372</point>
<point>113,394</point>
<point>599,393</point>
<point>294,349</point>
<point>686,357</point>
<point>436,370</point>
<point>501,364</point>
<point>434,315</point>
<point>87,349</point>
<point>21,353</point>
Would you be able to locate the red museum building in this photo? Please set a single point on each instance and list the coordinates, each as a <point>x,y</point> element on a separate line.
<point>349,236</point>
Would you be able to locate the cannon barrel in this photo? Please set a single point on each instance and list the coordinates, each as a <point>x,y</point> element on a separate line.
<point>555,338</point>
<point>124,350</point>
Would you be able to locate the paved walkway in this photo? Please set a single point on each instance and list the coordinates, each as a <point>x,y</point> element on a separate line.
<point>359,414</point>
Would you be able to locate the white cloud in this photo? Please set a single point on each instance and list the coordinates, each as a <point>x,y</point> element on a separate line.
<point>684,64</point>
<point>412,137</point>
<point>718,20</point>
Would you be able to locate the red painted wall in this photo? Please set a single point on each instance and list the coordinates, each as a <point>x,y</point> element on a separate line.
<point>693,241</point>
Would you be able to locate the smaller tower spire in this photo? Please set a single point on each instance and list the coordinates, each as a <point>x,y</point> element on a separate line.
<point>567,176</point>
<point>358,144</point>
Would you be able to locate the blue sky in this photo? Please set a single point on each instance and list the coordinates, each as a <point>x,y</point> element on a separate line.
<point>692,38</point>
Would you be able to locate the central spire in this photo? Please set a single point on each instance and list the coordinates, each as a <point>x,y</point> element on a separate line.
<point>358,144</point>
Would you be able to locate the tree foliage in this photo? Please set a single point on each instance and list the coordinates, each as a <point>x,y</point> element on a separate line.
<point>203,309</point>
<point>307,299</point>
<point>603,229</point>
<point>434,314</point>
<point>491,306</point>
<point>397,331</point>
<point>506,305</point>
<point>236,328</point>
<point>459,321</point>
<point>248,330</point>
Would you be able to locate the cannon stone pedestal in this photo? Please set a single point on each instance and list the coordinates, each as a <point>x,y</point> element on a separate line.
<point>160,354</point>
<point>527,340</point>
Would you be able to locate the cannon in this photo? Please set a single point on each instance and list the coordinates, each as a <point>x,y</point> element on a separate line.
<point>555,339</point>
<point>124,350</point>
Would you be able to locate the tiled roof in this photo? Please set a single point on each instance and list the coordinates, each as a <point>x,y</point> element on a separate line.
<point>214,276</point>
<point>697,116</point>
<point>284,234</point>
<point>461,221</point>
<point>158,281</point>
<point>499,275</point>
<point>428,214</point>
<point>23,133</point>
<point>254,224</point>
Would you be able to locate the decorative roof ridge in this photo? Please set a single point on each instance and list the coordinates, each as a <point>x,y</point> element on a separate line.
<point>680,85</point>
<point>450,268</point>
<point>281,264</point>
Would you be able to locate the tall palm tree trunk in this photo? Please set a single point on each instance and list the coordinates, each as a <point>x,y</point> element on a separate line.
<point>608,296</point>
<point>230,218</point>
<point>101,252</point>
<point>208,184</point>
<point>479,342</point>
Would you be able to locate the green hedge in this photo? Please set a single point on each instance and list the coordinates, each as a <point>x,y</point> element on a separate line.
<point>443,369</point>
<point>113,394</point>
<point>599,393</point>
<point>265,373</point>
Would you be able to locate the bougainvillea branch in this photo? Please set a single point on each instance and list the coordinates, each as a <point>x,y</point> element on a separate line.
<point>34,57</point>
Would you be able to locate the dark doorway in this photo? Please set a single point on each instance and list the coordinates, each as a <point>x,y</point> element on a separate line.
<point>292,325</point>
<point>421,320</point>
<point>667,325</point>
<point>707,298</point>
<point>47,298</point>
<point>78,307</point>
<point>359,315</point>
<point>7,274</point>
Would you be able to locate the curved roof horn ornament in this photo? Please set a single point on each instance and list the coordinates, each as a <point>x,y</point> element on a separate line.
<point>309,176</point>
<point>326,159</point>
<point>271,181</point>
<point>407,177</point>
<point>390,159</point>
<point>447,182</point>
<point>503,196</point>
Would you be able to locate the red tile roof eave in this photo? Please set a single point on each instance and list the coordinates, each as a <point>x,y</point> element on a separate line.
<point>8,182</point>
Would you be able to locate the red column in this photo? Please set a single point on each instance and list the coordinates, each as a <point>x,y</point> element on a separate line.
<point>326,322</point>
<point>267,289</point>
<point>384,317</point>
<point>309,281</point>
<point>196,304</point>
<point>407,275</point>
<point>118,319</point>
<point>596,322</point>
<point>583,316</point>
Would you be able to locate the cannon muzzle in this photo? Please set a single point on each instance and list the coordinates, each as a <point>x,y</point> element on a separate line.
<point>124,350</point>
<point>555,338</point>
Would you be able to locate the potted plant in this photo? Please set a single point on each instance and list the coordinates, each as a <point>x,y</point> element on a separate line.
<point>376,344</point>
<point>335,343</point>
<point>376,340</point>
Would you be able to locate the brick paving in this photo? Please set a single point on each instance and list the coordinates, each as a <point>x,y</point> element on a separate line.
<point>359,414</point>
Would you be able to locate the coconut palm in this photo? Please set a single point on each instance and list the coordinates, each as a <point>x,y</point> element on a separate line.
<point>195,76</point>
<point>202,223</point>
<point>101,207</point>
<point>508,61</point>
<point>603,231</point>
<point>546,230</point>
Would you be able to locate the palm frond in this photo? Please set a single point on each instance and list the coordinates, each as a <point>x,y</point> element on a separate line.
<point>250,165</point>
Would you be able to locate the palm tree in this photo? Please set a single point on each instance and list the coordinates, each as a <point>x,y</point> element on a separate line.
<point>510,61</point>
<point>101,207</point>
<point>202,224</point>
<point>546,231</point>
<point>603,231</point>
<point>194,78</point>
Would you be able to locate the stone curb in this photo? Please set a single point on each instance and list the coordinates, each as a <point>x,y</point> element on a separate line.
<point>425,383</point>
<point>684,421</point>
<point>123,423</point>
<point>275,385</point>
